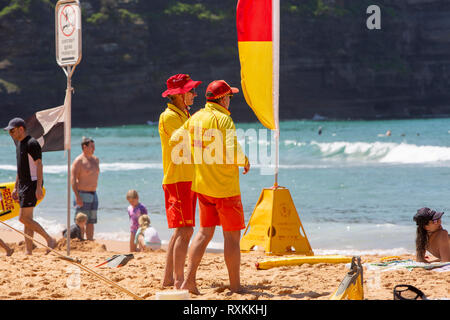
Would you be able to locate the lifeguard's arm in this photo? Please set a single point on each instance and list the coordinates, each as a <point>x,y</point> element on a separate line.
<point>234,153</point>
<point>176,133</point>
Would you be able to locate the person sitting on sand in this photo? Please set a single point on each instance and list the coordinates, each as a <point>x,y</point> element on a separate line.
<point>147,237</point>
<point>78,229</point>
<point>135,211</point>
<point>431,236</point>
<point>8,250</point>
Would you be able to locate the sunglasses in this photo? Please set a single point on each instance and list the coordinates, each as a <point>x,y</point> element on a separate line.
<point>192,91</point>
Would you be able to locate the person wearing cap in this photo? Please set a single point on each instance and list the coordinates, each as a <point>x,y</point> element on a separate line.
<point>180,201</point>
<point>217,156</point>
<point>84,172</point>
<point>29,181</point>
<point>431,236</point>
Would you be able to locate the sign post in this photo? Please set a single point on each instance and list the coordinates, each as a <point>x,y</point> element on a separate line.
<point>68,56</point>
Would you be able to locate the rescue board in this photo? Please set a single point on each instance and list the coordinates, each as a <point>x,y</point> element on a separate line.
<point>9,208</point>
<point>299,260</point>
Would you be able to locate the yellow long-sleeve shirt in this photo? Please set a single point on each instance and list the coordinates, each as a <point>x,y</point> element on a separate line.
<point>174,171</point>
<point>215,151</point>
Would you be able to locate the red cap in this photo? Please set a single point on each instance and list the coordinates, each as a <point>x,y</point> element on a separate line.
<point>219,89</point>
<point>179,84</point>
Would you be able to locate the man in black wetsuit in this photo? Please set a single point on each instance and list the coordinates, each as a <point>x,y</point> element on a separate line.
<point>29,181</point>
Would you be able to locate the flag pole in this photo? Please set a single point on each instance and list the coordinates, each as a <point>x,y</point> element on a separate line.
<point>276,80</point>
<point>68,56</point>
<point>67,141</point>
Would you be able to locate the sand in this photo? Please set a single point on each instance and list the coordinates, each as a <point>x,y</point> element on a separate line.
<point>47,277</point>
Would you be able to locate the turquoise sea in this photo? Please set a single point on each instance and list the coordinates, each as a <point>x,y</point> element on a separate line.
<point>355,189</point>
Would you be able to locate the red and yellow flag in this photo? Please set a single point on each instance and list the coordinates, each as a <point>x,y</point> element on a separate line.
<point>254,27</point>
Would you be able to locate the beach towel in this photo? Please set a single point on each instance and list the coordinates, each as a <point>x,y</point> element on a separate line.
<point>408,264</point>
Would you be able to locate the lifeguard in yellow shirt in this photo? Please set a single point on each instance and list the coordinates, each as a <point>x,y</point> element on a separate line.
<point>180,200</point>
<point>217,156</point>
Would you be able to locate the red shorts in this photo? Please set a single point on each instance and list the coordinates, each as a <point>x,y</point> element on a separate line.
<point>180,204</point>
<point>227,212</point>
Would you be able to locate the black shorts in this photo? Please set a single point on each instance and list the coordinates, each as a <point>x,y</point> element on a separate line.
<point>27,194</point>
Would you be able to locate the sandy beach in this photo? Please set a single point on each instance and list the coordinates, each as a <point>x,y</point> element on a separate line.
<point>47,277</point>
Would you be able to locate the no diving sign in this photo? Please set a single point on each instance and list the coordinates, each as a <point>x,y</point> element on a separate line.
<point>68,32</point>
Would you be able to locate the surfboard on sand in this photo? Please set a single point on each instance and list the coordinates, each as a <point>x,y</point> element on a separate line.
<point>9,208</point>
<point>298,260</point>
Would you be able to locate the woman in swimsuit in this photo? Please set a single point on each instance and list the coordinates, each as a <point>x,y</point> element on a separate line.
<point>431,236</point>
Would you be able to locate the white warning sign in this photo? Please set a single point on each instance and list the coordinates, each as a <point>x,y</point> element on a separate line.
<point>68,32</point>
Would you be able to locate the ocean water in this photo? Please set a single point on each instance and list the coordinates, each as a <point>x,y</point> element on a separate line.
<point>355,189</point>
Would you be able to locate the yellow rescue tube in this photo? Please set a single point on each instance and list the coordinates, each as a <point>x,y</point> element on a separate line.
<point>299,260</point>
<point>9,208</point>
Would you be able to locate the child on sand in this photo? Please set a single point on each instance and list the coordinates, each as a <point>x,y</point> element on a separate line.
<point>8,250</point>
<point>135,210</point>
<point>431,236</point>
<point>146,236</point>
<point>79,228</point>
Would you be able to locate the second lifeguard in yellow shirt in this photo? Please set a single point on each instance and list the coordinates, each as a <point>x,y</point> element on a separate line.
<point>217,156</point>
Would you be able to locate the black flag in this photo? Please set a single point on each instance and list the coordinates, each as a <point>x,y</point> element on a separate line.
<point>47,127</point>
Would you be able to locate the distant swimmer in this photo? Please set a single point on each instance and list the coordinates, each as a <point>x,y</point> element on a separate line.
<point>388,133</point>
<point>431,236</point>
<point>320,131</point>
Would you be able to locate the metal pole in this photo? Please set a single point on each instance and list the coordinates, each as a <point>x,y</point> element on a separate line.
<point>69,110</point>
<point>276,79</point>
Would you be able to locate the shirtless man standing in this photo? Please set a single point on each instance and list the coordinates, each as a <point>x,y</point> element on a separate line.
<point>84,172</point>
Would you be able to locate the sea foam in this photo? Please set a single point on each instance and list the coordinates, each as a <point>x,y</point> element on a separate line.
<point>384,152</point>
<point>104,167</point>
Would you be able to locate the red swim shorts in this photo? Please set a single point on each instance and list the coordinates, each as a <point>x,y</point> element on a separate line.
<point>180,204</point>
<point>227,212</point>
